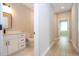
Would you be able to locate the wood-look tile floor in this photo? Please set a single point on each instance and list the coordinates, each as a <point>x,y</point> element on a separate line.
<point>62,47</point>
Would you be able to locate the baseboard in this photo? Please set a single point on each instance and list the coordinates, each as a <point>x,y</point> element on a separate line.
<point>76,49</point>
<point>46,51</point>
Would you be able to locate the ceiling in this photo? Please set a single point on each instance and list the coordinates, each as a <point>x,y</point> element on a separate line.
<point>57,7</point>
<point>61,7</point>
<point>29,5</point>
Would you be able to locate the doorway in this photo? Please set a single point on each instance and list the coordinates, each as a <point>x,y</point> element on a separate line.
<point>63,28</point>
<point>63,32</point>
<point>17,39</point>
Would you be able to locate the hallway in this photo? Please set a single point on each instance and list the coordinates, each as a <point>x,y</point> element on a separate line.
<point>62,47</point>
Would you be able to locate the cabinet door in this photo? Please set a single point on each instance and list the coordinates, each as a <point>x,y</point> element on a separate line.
<point>12,45</point>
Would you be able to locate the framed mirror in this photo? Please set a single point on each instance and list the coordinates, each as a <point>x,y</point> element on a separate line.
<point>7,20</point>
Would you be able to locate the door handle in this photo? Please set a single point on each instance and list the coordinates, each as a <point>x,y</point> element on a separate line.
<point>7,43</point>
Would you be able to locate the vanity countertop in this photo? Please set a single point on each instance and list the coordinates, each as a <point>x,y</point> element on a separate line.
<point>14,32</point>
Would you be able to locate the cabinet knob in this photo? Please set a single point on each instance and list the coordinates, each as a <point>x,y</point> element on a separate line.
<point>22,40</point>
<point>22,45</point>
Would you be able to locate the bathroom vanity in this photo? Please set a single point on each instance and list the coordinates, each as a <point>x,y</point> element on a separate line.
<point>15,41</point>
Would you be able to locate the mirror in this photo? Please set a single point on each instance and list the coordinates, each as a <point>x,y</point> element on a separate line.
<point>7,20</point>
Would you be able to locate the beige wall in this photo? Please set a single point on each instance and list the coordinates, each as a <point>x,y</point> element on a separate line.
<point>22,19</point>
<point>65,15</point>
<point>73,24</point>
<point>55,27</point>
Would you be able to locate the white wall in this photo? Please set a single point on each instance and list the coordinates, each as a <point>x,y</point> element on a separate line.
<point>0,31</point>
<point>52,26</point>
<point>78,25</point>
<point>43,17</point>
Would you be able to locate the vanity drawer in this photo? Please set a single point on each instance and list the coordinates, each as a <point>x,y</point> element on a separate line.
<point>22,40</point>
<point>22,45</point>
<point>11,36</point>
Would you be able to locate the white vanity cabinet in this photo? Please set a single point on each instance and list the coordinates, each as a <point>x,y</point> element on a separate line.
<point>22,42</point>
<point>15,42</point>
